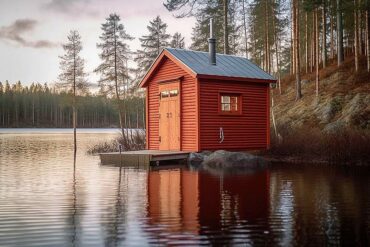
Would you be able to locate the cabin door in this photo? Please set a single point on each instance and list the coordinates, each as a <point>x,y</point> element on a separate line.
<point>169,116</point>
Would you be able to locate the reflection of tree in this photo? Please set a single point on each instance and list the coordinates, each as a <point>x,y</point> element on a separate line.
<point>74,236</point>
<point>319,205</point>
<point>116,229</point>
<point>74,211</point>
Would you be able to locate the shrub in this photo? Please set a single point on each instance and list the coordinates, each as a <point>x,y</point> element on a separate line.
<point>135,140</point>
<point>344,145</point>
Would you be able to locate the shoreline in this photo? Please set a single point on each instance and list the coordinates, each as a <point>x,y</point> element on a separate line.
<point>311,160</point>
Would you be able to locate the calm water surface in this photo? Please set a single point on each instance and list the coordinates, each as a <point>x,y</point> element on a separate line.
<point>44,201</point>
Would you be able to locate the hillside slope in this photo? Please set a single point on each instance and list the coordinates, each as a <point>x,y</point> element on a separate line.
<point>344,100</point>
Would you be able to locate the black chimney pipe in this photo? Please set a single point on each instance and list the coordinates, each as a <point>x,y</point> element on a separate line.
<point>211,44</point>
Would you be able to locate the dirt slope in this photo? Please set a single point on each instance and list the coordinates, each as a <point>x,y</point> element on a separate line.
<point>344,100</point>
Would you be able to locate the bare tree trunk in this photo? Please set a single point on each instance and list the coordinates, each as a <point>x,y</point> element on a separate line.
<point>331,37</point>
<point>313,44</point>
<point>359,28</point>
<point>306,41</point>
<point>296,48</point>
<point>340,55</point>
<point>74,116</point>
<point>324,57</point>
<point>144,109</point>
<point>267,43</point>
<point>119,102</point>
<point>356,36</point>
<point>276,49</point>
<point>245,29</point>
<point>273,114</point>
<point>226,29</point>
<point>137,116</point>
<point>317,51</point>
<point>367,36</point>
<point>292,38</point>
<point>33,110</point>
<point>74,119</point>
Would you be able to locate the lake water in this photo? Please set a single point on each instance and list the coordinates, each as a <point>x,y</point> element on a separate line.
<point>44,201</point>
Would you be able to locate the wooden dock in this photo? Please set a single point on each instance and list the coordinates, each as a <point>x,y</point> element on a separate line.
<point>142,157</point>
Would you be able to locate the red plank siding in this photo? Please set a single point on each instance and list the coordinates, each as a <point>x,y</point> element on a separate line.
<point>250,130</point>
<point>167,70</point>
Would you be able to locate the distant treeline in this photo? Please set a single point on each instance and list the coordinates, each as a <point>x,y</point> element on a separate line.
<point>41,106</point>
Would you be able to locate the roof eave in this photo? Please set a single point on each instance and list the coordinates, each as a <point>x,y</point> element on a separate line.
<point>235,78</point>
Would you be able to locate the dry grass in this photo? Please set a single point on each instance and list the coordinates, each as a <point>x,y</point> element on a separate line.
<point>135,140</point>
<point>346,146</point>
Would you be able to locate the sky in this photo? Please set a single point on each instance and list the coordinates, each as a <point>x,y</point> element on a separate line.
<point>32,32</point>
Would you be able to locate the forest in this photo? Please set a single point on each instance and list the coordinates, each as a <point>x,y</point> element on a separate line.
<point>284,37</point>
<point>287,38</point>
<point>42,106</point>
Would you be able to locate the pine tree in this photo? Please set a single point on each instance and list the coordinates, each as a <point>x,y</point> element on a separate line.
<point>113,70</point>
<point>200,32</point>
<point>152,45</point>
<point>177,41</point>
<point>221,10</point>
<point>72,76</point>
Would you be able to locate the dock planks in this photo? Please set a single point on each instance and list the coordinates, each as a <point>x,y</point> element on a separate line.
<point>141,157</point>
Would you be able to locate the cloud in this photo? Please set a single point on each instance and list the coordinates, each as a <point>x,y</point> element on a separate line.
<point>97,9</point>
<point>15,31</point>
<point>74,8</point>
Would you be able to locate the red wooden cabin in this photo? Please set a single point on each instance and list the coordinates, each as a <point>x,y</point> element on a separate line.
<point>206,101</point>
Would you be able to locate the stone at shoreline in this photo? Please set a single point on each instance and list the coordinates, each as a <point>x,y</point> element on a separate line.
<point>222,161</point>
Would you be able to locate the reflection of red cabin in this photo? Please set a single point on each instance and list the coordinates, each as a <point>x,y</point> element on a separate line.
<point>192,199</point>
<point>193,105</point>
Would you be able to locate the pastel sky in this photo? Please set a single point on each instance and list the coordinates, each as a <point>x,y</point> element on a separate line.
<point>32,31</point>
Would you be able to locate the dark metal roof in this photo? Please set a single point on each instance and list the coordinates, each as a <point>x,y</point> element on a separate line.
<point>226,65</point>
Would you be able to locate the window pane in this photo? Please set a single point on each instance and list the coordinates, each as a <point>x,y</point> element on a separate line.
<point>225,107</point>
<point>225,99</point>
<point>164,94</point>
<point>234,100</point>
<point>173,93</point>
<point>234,107</point>
<point>229,103</point>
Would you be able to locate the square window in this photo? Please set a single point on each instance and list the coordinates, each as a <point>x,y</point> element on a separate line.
<point>230,103</point>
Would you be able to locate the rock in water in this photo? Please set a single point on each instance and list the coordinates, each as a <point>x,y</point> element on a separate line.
<point>228,162</point>
<point>196,159</point>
